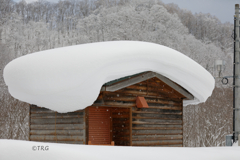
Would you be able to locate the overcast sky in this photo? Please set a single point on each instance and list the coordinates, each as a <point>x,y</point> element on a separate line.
<point>223,9</point>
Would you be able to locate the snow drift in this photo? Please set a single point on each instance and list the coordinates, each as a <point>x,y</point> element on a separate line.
<point>16,149</point>
<point>70,78</point>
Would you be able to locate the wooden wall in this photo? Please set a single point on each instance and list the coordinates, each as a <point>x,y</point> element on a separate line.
<point>103,131</point>
<point>160,124</point>
<point>157,125</point>
<point>50,126</point>
<point>121,126</point>
<point>99,125</point>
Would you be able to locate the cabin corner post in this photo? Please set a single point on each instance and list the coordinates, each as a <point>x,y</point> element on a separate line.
<point>111,126</point>
<point>85,131</point>
<point>130,126</point>
<point>84,127</point>
<point>182,124</point>
<point>29,123</point>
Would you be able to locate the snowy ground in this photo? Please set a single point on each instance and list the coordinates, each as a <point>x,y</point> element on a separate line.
<point>25,150</point>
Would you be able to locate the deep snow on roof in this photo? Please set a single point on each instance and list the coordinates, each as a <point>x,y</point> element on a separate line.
<point>70,78</point>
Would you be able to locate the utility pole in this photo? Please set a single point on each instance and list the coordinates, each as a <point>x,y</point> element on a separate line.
<point>236,102</point>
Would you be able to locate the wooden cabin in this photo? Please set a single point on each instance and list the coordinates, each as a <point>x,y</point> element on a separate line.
<point>145,109</point>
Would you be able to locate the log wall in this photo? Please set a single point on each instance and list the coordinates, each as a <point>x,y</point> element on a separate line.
<point>155,126</point>
<point>159,125</point>
<point>50,126</point>
<point>121,126</point>
<point>99,125</point>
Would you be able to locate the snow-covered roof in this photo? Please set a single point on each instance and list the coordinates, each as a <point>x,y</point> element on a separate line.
<point>70,78</point>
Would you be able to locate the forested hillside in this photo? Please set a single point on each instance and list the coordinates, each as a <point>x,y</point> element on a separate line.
<point>31,27</point>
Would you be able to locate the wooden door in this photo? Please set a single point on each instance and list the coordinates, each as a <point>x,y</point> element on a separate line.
<point>99,126</point>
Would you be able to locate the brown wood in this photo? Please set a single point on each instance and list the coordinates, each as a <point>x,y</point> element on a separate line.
<point>130,99</point>
<point>57,121</point>
<point>128,82</point>
<point>29,123</point>
<point>145,93</point>
<point>136,117</point>
<point>54,137</point>
<point>86,124</point>
<point>141,102</point>
<point>121,124</point>
<point>84,127</point>
<point>99,125</point>
<point>59,141</point>
<point>111,144</point>
<point>130,124</point>
<point>50,126</point>
<point>156,138</point>
<point>165,107</point>
<point>157,128</point>
<point>58,132</point>
<point>151,134</point>
<point>155,143</point>
<point>160,123</point>
<point>44,111</point>
<point>34,116</point>
<point>176,87</point>
<point>57,126</point>
<point>118,104</point>
<point>168,113</point>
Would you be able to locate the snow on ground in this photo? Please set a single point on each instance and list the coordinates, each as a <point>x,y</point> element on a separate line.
<point>70,78</point>
<point>25,150</point>
<point>235,144</point>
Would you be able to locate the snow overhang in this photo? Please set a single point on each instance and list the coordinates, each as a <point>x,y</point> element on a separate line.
<point>70,78</point>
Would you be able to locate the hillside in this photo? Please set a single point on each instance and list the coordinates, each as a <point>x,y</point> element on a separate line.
<point>27,28</point>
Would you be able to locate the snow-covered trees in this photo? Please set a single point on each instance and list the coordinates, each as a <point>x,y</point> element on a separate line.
<point>30,27</point>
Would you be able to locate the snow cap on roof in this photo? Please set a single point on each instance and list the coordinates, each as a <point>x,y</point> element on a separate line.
<point>70,78</point>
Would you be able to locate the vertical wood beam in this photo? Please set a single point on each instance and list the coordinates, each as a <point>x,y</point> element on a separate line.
<point>29,122</point>
<point>84,127</point>
<point>130,125</point>
<point>182,121</point>
<point>55,126</point>
<point>111,125</point>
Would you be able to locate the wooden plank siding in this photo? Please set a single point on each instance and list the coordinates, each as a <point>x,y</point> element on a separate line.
<point>159,125</point>
<point>99,124</point>
<point>50,126</point>
<point>121,126</point>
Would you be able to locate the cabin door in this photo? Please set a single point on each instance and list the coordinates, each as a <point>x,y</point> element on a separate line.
<point>99,126</point>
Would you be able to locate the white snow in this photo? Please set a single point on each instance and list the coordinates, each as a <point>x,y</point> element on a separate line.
<point>25,150</point>
<point>235,144</point>
<point>70,78</point>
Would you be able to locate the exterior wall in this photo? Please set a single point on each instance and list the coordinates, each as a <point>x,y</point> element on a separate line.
<point>159,125</point>
<point>121,126</point>
<point>99,125</point>
<point>50,126</point>
<point>118,123</point>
